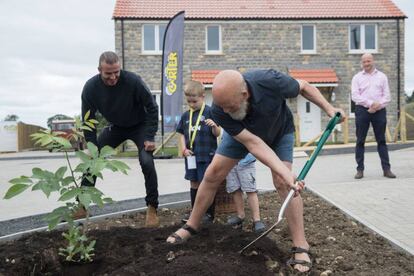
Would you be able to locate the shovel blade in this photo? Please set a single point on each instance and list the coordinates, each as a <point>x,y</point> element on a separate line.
<point>264,234</point>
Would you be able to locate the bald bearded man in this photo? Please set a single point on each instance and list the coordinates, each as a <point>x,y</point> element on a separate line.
<point>253,111</point>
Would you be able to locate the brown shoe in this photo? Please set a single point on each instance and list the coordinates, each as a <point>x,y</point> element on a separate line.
<point>152,220</point>
<point>389,174</point>
<point>79,213</point>
<point>359,175</point>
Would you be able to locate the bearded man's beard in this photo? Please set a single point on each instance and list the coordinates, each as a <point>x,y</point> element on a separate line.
<point>240,114</point>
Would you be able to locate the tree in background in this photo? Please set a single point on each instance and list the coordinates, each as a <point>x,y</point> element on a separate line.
<point>57,117</point>
<point>11,117</point>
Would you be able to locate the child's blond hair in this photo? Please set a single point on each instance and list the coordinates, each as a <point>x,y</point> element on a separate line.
<point>193,88</point>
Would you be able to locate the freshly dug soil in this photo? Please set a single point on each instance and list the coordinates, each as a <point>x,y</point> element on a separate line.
<point>339,246</point>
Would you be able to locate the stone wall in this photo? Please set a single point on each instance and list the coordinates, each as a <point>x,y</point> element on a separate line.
<point>273,44</point>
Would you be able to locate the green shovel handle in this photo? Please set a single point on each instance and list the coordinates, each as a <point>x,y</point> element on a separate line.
<point>329,128</point>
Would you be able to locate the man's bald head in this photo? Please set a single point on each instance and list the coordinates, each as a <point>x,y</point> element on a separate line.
<point>230,93</point>
<point>227,83</point>
<point>367,62</point>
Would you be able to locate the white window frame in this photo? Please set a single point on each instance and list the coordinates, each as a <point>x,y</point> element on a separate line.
<point>362,34</point>
<point>214,52</point>
<point>157,51</point>
<point>314,39</point>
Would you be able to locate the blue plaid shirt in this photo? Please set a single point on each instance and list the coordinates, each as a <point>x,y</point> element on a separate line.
<point>205,143</point>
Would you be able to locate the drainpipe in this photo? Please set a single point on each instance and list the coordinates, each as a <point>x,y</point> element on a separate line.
<point>398,71</point>
<point>123,44</point>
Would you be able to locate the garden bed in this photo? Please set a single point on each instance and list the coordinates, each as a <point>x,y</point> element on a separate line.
<point>338,244</point>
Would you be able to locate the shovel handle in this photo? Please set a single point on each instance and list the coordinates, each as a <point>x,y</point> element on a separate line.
<point>301,176</point>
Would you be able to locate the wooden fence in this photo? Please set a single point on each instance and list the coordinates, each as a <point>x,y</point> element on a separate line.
<point>24,141</point>
<point>402,132</point>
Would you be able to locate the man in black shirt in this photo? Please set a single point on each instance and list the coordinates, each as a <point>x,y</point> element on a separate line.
<point>128,105</point>
<point>252,109</point>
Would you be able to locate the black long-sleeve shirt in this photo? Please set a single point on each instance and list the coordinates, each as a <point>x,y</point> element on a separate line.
<point>126,104</point>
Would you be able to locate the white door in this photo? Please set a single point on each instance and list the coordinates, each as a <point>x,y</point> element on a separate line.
<point>310,119</point>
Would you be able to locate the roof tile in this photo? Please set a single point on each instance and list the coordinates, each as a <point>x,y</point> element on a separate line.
<point>257,9</point>
<point>314,75</point>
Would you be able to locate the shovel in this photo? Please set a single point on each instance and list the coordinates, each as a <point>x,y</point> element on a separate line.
<point>301,176</point>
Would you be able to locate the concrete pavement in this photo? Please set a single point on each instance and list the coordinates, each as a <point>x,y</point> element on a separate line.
<point>382,204</point>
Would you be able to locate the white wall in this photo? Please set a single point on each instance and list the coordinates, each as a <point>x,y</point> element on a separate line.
<point>8,136</point>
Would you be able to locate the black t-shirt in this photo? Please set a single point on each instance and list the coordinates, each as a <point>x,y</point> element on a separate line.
<point>268,115</point>
<point>127,104</point>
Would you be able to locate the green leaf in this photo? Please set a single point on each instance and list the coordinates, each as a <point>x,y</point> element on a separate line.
<point>15,190</point>
<point>120,166</point>
<point>89,124</point>
<point>45,140</point>
<point>70,194</point>
<point>108,200</point>
<point>63,142</point>
<point>85,199</point>
<point>87,115</point>
<point>67,180</point>
<point>93,121</point>
<point>86,128</point>
<point>21,180</point>
<point>93,149</point>
<point>83,156</point>
<point>97,200</point>
<point>61,172</point>
<point>38,173</point>
<point>106,152</point>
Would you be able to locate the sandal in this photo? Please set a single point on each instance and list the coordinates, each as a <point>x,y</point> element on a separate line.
<point>292,261</point>
<point>180,240</point>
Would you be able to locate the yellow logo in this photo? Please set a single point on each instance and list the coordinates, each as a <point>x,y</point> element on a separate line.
<point>171,71</point>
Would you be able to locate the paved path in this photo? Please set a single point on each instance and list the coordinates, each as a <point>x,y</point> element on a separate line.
<point>382,204</point>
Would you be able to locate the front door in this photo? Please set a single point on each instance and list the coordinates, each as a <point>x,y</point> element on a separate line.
<point>310,119</point>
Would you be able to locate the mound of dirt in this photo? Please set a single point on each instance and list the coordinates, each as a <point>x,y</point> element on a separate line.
<point>339,245</point>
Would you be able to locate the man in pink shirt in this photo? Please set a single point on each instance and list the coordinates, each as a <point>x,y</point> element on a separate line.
<point>371,94</point>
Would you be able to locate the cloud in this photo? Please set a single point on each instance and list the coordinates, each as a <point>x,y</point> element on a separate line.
<point>52,48</point>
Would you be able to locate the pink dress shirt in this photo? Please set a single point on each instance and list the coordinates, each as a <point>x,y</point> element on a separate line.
<point>369,88</point>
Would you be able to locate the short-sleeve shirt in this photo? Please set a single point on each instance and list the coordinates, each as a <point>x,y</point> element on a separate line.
<point>205,143</point>
<point>268,116</point>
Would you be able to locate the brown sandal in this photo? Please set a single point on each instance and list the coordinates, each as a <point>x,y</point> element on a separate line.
<point>292,261</point>
<point>180,240</point>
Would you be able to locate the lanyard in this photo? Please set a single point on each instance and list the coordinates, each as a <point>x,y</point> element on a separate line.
<point>190,125</point>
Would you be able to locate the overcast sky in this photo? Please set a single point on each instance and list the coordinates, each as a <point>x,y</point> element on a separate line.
<point>49,48</point>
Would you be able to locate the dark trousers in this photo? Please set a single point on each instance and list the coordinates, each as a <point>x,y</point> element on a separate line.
<point>379,122</point>
<point>113,136</point>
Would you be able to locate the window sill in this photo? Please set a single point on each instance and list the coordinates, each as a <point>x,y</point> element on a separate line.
<point>360,52</point>
<point>308,53</point>
<point>214,54</point>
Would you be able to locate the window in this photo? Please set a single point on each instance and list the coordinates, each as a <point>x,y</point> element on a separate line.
<point>152,38</point>
<point>213,40</point>
<point>362,38</point>
<point>308,39</point>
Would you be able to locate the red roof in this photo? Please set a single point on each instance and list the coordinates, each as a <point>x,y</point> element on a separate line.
<point>314,75</point>
<point>204,76</point>
<point>257,9</point>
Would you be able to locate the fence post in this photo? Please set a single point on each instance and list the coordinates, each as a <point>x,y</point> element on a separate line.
<point>403,127</point>
<point>345,126</point>
<point>297,130</point>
